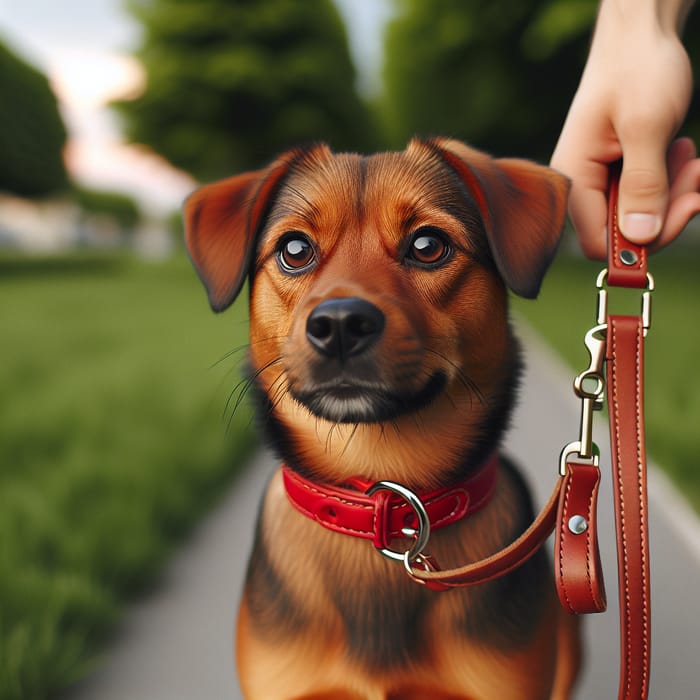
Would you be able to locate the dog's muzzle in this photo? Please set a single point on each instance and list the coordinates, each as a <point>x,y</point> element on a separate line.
<point>346,383</point>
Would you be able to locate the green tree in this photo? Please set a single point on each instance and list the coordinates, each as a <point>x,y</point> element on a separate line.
<point>498,73</point>
<point>32,134</point>
<point>232,82</point>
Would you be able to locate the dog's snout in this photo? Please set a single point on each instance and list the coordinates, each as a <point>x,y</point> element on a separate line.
<point>344,327</point>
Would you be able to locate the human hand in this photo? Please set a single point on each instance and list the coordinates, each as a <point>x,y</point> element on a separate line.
<point>632,99</point>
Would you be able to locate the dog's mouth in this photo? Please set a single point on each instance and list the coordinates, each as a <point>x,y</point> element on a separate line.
<point>344,400</point>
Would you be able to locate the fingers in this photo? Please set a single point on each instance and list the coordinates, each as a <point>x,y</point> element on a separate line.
<point>684,169</point>
<point>643,198</point>
<point>681,151</point>
<point>588,211</point>
<point>588,196</point>
<point>588,203</point>
<point>682,201</point>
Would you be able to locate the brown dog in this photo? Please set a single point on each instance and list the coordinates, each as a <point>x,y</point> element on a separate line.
<point>381,349</point>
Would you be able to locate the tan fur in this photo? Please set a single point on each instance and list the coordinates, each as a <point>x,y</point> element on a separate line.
<point>325,616</point>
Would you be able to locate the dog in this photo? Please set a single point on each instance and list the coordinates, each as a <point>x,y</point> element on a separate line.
<point>381,350</point>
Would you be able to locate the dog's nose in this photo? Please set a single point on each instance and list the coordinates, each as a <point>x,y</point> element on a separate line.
<point>344,327</point>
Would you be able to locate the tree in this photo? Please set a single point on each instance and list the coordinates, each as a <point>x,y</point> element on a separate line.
<point>32,133</point>
<point>498,73</point>
<point>232,82</point>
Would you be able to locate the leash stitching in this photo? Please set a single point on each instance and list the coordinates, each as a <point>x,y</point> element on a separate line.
<point>561,547</point>
<point>589,538</point>
<point>628,643</point>
<point>640,475</point>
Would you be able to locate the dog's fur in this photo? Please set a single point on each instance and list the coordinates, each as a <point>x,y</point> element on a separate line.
<point>428,399</point>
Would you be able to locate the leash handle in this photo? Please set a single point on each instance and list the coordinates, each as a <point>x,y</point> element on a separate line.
<point>627,261</point>
<point>627,267</point>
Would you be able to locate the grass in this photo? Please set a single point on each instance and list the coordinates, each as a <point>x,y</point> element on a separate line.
<point>112,442</point>
<point>566,310</point>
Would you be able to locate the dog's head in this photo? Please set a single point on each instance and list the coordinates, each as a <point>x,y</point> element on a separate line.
<point>378,283</point>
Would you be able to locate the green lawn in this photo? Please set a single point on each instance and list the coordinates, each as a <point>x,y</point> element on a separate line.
<point>113,439</point>
<point>566,309</point>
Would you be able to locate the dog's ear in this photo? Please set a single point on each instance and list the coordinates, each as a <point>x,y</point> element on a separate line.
<point>522,206</point>
<point>221,221</point>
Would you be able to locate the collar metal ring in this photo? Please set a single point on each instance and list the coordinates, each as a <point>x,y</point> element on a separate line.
<point>422,532</point>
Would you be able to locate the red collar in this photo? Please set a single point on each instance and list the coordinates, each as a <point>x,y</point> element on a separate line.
<point>383,515</point>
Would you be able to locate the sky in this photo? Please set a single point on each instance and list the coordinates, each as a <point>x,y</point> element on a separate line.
<point>84,47</point>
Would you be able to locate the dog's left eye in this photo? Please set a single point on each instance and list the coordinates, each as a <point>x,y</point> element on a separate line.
<point>295,253</point>
<point>428,247</point>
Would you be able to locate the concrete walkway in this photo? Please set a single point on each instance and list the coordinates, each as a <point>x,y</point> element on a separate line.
<point>177,644</point>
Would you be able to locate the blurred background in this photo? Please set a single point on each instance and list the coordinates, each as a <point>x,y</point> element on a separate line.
<point>122,415</point>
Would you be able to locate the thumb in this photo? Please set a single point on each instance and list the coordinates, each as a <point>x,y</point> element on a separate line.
<point>643,197</point>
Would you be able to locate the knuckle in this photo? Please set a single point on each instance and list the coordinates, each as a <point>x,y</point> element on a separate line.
<point>642,182</point>
<point>645,124</point>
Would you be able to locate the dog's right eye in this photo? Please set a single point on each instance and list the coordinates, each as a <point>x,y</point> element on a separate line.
<point>295,253</point>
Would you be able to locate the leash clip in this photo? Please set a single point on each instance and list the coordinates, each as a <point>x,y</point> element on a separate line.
<point>589,386</point>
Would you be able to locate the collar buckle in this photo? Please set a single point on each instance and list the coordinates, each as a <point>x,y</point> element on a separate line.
<point>421,533</point>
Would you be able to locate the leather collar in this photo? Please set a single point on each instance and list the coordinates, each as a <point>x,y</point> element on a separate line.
<point>383,516</point>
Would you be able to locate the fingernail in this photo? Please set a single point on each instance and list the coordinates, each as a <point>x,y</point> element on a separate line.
<point>640,228</point>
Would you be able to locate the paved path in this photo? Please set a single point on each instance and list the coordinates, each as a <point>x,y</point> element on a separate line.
<point>177,644</point>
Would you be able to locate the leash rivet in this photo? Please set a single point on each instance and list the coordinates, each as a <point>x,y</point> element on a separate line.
<point>578,525</point>
<point>628,257</point>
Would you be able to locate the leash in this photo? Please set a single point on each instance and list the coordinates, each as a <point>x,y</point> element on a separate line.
<point>627,267</point>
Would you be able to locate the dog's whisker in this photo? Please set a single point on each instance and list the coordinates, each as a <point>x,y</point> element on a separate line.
<point>329,440</point>
<point>245,346</point>
<point>244,385</point>
<point>335,427</point>
<point>350,437</point>
<point>279,388</point>
<point>461,376</point>
<point>229,354</point>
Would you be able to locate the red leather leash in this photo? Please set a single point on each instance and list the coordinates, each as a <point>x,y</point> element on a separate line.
<point>627,267</point>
